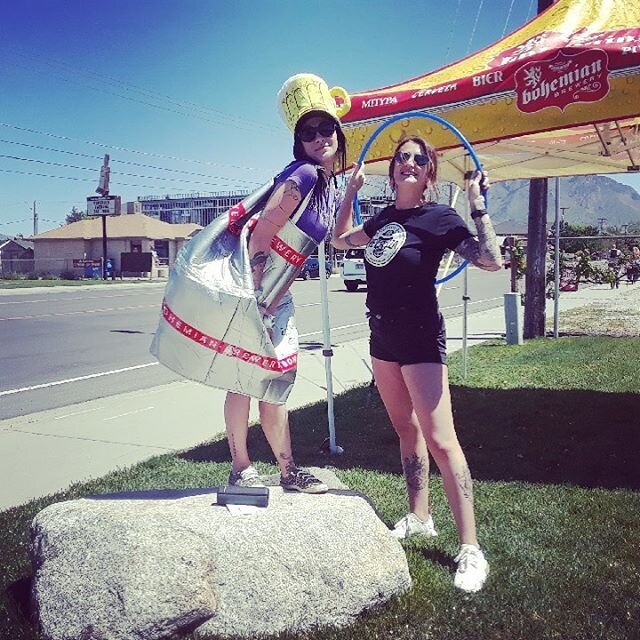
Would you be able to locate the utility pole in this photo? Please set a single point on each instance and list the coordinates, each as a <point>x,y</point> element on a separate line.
<point>535,298</point>
<point>35,219</point>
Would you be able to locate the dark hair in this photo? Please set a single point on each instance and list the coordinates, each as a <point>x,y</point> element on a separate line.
<point>428,150</point>
<point>320,193</point>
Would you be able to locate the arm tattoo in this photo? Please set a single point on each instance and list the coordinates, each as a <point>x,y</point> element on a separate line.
<point>291,192</point>
<point>465,483</point>
<point>348,240</point>
<point>482,251</point>
<point>416,472</point>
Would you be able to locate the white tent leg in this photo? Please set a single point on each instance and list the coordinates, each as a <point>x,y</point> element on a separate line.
<point>327,351</point>
<point>556,284</point>
<point>465,318</point>
<point>465,296</point>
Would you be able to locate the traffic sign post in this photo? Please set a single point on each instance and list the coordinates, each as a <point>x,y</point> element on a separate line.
<point>104,206</point>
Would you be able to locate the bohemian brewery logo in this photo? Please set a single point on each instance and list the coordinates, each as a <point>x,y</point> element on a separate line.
<point>567,78</point>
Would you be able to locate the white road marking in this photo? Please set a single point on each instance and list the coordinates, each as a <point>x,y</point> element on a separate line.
<point>457,306</point>
<point>128,413</point>
<point>77,413</point>
<point>62,299</point>
<point>78,379</point>
<point>76,313</point>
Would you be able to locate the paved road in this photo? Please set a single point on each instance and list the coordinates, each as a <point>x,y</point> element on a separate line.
<point>67,346</point>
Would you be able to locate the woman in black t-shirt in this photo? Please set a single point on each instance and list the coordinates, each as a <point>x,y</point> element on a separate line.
<point>404,246</point>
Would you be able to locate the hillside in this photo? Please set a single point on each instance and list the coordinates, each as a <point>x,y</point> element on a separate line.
<point>586,198</point>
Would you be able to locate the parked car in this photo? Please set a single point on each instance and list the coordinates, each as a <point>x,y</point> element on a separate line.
<point>353,272</point>
<point>310,268</point>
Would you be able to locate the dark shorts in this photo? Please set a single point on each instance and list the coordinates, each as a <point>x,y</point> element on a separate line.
<point>408,340</point>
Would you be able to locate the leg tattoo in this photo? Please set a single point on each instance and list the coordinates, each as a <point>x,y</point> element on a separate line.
<point>415,472</point>
<point>465,483</point>
<point>288,459</point>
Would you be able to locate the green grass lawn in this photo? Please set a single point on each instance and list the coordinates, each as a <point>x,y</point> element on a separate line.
<point>552,433</point>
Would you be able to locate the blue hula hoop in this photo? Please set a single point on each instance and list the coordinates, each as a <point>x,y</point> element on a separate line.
<point>426,116</point>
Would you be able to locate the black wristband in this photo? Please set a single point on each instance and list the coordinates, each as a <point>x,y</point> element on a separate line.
<point>478,213</point>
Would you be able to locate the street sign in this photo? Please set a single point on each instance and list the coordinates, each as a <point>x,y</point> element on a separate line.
<point>86,262</point>
<point>103,205</point>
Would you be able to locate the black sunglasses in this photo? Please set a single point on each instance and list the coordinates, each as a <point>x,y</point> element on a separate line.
<point>419,158</point>
<point>308,133</point>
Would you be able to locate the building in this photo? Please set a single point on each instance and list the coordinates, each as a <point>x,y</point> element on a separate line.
<point>16,255</point>
<point>55,250</point>
<point>372,205</point>
<point>201,208</point>
<point>197,208</point>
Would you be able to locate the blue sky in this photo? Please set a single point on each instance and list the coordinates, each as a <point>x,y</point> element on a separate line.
<point>182,93</point>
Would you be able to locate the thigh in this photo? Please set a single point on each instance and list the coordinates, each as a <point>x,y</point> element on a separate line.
<point>392,389</point>
<point>428,386</point>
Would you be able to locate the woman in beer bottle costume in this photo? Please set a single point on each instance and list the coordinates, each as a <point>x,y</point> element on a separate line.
<point>319,149</point>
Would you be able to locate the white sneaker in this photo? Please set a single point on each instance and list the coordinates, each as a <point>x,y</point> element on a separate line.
<point>248,477</point>
<point>473,568</point>
<point>411,526</point>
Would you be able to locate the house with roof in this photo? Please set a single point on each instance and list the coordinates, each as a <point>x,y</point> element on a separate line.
<point>16,255</point>
<point>55,250</point>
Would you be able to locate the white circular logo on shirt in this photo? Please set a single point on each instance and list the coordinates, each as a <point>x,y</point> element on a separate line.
<point>385,244</point>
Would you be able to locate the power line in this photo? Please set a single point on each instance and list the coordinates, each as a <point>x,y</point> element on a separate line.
<point>475,25</point>
<point>183,108</point>
<point>122,173</point>
<point>123,149</point>
<point>15,221</point>
<point>127,162</point>
<point>453,26</point>
<point>142,90</point>
<point>506,22</point>
<point>48,175</point>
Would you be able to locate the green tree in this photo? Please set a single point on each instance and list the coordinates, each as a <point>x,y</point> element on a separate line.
<point>74,215</point>
<point>576,244</point>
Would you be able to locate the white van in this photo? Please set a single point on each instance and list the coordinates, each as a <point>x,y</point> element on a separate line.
<point>352,270</point>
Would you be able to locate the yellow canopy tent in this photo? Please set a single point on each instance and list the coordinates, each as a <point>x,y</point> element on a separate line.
<point>560,96</point>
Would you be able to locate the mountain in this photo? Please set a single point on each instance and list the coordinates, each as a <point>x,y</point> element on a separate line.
<point>586,199</point>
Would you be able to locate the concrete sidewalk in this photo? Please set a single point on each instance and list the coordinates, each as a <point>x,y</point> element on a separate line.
<point>45,452</point>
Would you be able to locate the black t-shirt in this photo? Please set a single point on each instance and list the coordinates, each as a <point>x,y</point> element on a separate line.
<point>403,256</point>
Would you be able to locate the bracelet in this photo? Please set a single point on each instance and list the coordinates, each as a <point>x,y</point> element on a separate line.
<point>478,213</point>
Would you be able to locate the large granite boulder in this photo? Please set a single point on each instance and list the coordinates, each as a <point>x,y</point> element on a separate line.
<point>150,565</point>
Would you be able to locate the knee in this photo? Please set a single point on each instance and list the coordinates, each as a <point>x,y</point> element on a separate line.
<point>405,427</point>
<point>444,449</point>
